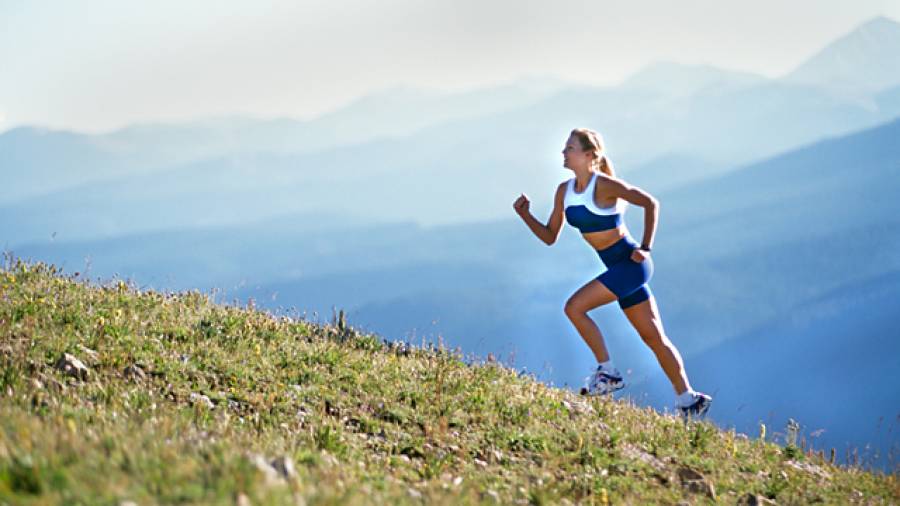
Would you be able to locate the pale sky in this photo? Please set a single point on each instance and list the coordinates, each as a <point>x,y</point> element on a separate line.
<point>95,65</point>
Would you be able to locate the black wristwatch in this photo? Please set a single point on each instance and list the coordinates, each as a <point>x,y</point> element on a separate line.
<point>645,248</point>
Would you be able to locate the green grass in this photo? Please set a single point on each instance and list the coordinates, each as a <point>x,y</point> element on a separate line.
<point>363,421</point>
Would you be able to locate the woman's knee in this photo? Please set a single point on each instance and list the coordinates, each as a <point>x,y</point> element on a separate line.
<point>573,309</point>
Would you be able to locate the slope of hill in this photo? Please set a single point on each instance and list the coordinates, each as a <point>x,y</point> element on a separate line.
<point>117,395</point>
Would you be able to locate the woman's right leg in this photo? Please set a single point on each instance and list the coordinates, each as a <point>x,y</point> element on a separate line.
<point>592,295</point>
<point>645,318</point>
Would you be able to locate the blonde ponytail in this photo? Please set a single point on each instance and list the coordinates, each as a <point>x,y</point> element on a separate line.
<point>606,166</point>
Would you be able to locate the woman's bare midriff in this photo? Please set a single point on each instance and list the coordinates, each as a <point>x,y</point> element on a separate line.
<point>605,238</point>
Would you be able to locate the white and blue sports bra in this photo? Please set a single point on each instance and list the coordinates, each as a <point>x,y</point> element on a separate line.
<point>583,214</point>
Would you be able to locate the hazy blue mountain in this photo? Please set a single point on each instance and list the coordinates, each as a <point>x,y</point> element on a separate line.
<point>376,152</point>
<point>400,180</point>
<point>754,123</point>
<point>680,80</point>
<point>41,161</point>
<point>287,248</point>
<point>889,99</point>
<point>863,61</point>
<point>469,176</point>
<point>400,111</point>
<point>199,139</point>
<point>34,161</point>
<point>672,170</point>
<point>825,365</point>
<point>391,112</point>
<point>725,124</point>
<point>839,191</point>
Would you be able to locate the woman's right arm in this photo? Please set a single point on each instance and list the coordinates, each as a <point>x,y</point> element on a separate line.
<point>548,233</point>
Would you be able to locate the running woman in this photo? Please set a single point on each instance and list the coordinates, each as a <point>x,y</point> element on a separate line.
<point>593,202</point>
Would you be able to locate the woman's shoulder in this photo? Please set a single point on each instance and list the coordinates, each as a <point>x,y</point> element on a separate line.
<point>603,177</point>
<point>607,180</point>
<point>609,187</point>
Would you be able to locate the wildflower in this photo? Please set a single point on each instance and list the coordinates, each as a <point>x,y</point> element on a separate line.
<point>732,446</point>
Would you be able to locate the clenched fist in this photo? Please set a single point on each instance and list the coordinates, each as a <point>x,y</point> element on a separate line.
<point>521,205</point>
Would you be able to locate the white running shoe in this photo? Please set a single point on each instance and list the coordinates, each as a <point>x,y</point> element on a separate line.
<point>603,382</point>
<point>696,409</point>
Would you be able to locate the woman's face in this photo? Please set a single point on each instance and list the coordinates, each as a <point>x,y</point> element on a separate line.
<point>575,157</point>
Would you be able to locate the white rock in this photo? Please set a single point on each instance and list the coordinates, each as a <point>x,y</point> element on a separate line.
<point>92,355</point>
<point>134,371</point>
<point>285,467</point>
<point>71,366</point>
<point>196,398</point>
<point>272,477</point>
<point>810,468</point>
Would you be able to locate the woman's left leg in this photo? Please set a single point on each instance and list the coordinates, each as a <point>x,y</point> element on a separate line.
<point>644,316</point>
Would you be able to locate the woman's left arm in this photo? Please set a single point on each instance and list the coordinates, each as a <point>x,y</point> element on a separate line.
<point>638,197</point>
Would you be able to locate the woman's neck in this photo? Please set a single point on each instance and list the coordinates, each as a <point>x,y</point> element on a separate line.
<point>583,179</point>
<point>585,175</point>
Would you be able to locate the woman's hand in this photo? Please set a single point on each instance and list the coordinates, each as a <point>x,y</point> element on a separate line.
<point>640,255</point>
<point>521,205</point>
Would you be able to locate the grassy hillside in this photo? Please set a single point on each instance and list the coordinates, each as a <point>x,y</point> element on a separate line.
<point>181,400</point>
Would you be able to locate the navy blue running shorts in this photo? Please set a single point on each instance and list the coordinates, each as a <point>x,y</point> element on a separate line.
<point>625,277</point>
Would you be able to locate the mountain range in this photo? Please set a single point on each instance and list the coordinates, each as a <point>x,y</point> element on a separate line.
<point>463,149</point>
